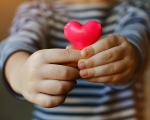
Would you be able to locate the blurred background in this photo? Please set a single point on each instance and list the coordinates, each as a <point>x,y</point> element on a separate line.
<point>12,109</point>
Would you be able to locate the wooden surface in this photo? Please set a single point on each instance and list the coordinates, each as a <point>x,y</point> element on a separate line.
<point>10,108</point>
<point>7,11</point>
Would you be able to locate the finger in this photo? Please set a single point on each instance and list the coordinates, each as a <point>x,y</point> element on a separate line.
<point>48,101</point>
<point>102,58</point>
<point>60,55</point>
<point>108,69</point>
<point>55,87</point>
<point>74,65</point>
<point>58,72</point>
<point>111,79</point>
<point>101,45</point>
<point>70,47</point>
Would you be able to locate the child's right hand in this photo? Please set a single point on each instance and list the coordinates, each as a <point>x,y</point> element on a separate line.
<point>43,79</point>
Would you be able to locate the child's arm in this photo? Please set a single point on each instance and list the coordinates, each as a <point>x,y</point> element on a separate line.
<point>120,57</point>
<point>40,78</point>
<point>37,74</point>
<point>28,33</point>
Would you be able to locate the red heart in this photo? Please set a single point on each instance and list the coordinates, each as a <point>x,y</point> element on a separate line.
<point>82,36</point>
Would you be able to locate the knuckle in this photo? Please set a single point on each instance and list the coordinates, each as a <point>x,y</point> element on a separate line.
<point>89,51</point>
<point>54,102</point>
<point>113,69</point>
<point>65,73</point>
<point>125,43</point>
<point>106,45</point>
<point>67,53</point>
<point>70,86</point>
<point>28,96</point>
<point>110,36</point>
<point>64,88</point>
<point>108,57</point>
<point>107,79</point>
<point>38,54</point>
<point>121,78</point>
<point>91,72</point>
<point>90,63</point>
<point>33,72</point>
<point>46,103</point>
<point>92,80</point>
<point>121,39</point>
<point>59,100</point>
<point>127,62</point>
<point>61,88</point>
<point>116,79</point>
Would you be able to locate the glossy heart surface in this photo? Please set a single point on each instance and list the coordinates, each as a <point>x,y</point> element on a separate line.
<point>81,36</point>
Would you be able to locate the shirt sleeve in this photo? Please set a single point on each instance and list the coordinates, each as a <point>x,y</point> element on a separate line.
<point>28,32</point>
<point>135,26</point>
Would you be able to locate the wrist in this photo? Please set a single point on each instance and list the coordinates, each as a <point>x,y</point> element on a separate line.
<point>15,81</point>
<point>13,70</point>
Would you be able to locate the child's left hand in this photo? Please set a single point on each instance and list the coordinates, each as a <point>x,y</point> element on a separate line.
<point>110,60</point>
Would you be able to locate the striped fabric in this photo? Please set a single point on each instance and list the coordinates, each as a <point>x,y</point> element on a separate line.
<point>39,25</point>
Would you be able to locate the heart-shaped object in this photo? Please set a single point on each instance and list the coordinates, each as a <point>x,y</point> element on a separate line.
<point>82,36</point>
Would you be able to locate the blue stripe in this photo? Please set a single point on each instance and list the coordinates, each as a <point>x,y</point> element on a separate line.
<point>135,20</point>
<point>36,117</point>
<point>91,9</point>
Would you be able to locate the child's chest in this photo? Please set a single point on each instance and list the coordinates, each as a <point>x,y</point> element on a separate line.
<point>59,19</point>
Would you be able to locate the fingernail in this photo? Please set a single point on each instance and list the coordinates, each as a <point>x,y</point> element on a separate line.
<point>82,64</point>
<point>84,73</point>
<point>84,53</point>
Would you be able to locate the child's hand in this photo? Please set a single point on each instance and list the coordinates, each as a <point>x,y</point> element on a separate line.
<point>43,80</point>
<point>110,60</point>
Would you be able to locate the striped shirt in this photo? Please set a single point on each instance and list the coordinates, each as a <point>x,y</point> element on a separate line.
<point>39,25</point>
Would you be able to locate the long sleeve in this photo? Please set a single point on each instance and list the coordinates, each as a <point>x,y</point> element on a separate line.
<point>135,26</point>
<point>28,32</point>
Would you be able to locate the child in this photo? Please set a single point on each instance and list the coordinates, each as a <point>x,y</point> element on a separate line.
<point>34,60</point>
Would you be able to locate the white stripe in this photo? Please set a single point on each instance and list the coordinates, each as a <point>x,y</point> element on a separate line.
<point>111,19</point>
<point>34,26</point>
<point>101,99</point>
<point>103,108</point>
<point>88,14</point>
<point>28,34</point>
<point>18,38</point>
<point>132,32</point>
<point>84,7</point>
<point>96,117</point>
<point>62,18</point>
<point>57,33</point>
<point>56,25</point>
<point>61,34</point>
<point>60,26</point>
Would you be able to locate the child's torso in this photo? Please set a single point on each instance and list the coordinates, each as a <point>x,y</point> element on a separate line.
<point>89,101</point>
<point>62,14</point>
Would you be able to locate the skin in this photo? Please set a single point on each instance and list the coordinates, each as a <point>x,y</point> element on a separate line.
<point>41,77</point>
<point>110,60</point>
<point>47,81</point>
